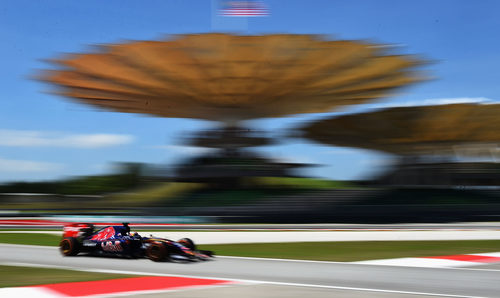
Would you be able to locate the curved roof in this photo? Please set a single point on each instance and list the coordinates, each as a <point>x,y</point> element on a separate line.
<point>225,77</point>
<point>471,129</point>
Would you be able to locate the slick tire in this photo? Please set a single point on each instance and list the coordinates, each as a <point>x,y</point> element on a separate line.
<point>187,243</point>
<point>69,246</point>
<point>157,252</point>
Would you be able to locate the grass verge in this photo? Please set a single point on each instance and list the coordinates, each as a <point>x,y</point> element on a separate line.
<point>30,239</point>
<point>356,250</point>
<point>16,276</point>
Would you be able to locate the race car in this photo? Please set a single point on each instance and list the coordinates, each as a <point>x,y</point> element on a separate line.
<point>119,241</point>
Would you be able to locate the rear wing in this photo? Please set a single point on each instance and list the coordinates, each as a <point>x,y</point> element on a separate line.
<point>77,230</point>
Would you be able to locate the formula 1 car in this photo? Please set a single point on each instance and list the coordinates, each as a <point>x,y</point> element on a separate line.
<point>117,240</point>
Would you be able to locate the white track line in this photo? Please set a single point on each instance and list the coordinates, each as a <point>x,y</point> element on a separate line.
<point>419,262</point>
<point>23,292</point>
<point>281,260</point>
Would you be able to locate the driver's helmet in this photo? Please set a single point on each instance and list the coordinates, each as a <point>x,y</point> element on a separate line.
<point>127,228</point>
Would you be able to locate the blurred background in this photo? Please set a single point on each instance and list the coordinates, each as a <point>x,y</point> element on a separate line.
<point>251,111</point>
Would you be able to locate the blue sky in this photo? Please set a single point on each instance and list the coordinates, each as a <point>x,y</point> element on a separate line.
<point>45,137</point>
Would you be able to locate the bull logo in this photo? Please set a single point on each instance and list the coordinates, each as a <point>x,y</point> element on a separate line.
<point>104,234</point>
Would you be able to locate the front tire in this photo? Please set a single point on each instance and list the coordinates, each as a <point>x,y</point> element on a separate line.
<point>157,252</point>
<point>69,246</point>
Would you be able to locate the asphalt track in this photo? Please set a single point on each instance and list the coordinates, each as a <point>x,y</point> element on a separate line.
<point>328,277</point>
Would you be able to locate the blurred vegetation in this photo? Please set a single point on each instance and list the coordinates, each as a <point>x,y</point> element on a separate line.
<point>253,190</point>
<point>128,177</point>
<point>126,188</point>
<point>302,183</point>
<point>432,196</point>
<point>16,276</point>
<point>226,197</point>
<point>153,194</point>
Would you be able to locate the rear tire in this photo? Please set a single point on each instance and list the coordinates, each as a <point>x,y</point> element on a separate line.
<point>157,252</point>
<point>69,246</point>
<point>187,243</point>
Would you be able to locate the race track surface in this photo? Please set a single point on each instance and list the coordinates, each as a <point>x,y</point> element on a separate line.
<point>308,274</point>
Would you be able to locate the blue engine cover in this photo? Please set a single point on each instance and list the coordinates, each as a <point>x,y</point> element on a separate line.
<point>113,240</point>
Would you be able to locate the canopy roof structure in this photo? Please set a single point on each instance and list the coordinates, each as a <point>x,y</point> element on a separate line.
<point>467,129</point>
<point>229,78</point>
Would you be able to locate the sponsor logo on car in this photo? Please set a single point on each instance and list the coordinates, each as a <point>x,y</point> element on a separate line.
<point>89,243</point>
<point>111,246</point>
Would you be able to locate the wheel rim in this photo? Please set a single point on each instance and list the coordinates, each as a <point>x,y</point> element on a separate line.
<point>65,246</point>
<point>155,252</point>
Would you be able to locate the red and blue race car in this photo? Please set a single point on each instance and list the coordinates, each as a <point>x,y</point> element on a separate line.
<point>119,241</point>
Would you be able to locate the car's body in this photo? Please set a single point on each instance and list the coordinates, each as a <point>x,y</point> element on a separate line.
<point>117,240</point>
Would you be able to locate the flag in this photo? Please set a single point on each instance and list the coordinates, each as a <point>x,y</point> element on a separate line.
<point>246,8</point>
